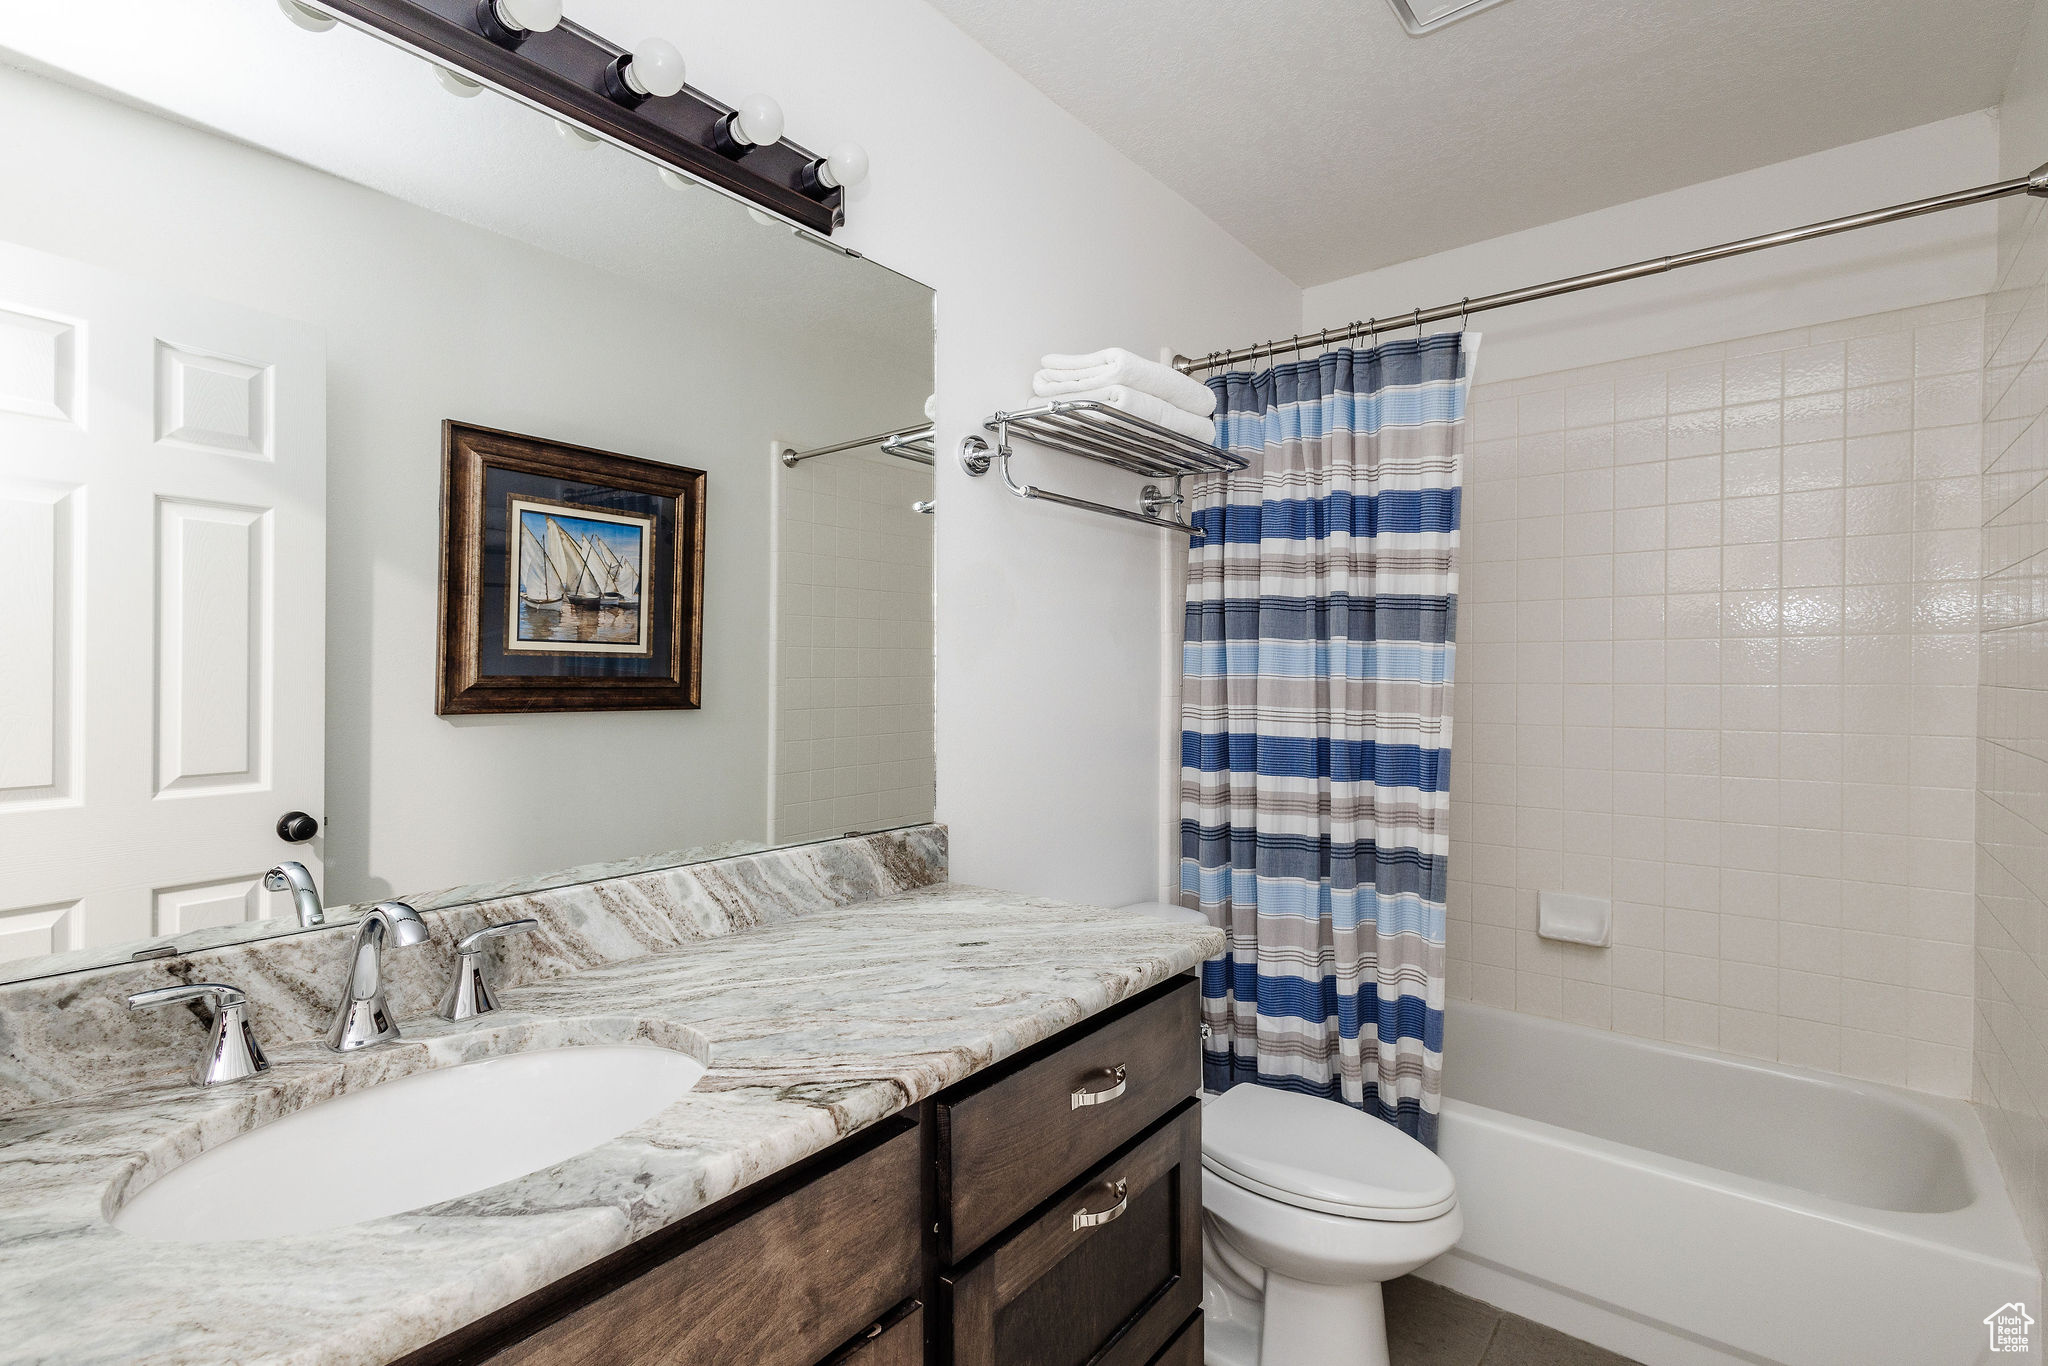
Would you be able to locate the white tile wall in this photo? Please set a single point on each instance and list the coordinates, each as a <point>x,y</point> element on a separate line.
<point>2011,1081</point>
<point>1717,660</point>
<point>853,709</point>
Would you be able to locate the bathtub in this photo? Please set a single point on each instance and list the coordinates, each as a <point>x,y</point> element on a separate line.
<point>1686,1208</point>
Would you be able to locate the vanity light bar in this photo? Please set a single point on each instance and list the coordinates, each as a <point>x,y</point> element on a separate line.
<point>633,98</point>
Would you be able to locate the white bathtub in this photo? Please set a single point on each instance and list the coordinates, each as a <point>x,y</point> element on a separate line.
<point>1685,1208</point>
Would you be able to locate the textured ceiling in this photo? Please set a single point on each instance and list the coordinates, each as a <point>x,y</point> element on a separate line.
<point>1330,142</point>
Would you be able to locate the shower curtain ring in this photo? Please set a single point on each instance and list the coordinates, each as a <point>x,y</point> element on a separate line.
<point>1418,324</point>
<point>1372,331</point>
<point>1465,313</point>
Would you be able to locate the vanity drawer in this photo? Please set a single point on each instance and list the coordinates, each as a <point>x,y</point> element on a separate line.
<point>1186,1347</point>
<point>784,1286</point>
<point>1111,1293</point>
<point>896,1341</point>
<point>1008,1143</point>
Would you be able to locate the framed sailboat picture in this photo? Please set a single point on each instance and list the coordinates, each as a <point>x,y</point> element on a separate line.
<point>577,585</point>
<point>571,579</point>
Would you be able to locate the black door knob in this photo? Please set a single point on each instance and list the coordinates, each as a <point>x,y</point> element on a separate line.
<point>296,827</point>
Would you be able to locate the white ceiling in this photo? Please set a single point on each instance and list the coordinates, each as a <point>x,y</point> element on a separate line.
<point>353,106</point>
<point>1330,142</point>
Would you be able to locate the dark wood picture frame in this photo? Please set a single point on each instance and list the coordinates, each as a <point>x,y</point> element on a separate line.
<point>466,686</point>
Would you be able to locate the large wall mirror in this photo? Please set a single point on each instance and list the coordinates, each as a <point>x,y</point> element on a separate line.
<point>249,274</point>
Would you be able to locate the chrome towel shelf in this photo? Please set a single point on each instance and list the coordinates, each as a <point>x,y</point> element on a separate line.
<point>1107,435</point>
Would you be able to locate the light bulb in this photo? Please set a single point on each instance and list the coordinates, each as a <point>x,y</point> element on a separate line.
<point>574,136</point>
<point>846,167</point>
<point>654,68</point>
<point>676,180</point>
<point>758,121</point>
<point>311,20</point>
<point>765,219</point>
<point>458,85</point>
<point>529,16</point>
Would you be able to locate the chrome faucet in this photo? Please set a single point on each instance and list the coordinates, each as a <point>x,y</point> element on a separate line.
<point>292,876</point>
<point>232,1052</point>
<point>363,1018</point>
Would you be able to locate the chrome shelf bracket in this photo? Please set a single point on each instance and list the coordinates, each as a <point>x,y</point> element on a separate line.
<point>1107,435</point>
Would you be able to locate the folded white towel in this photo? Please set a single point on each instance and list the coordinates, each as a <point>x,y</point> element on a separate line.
<point>1152,408</point>
<point>1064,376</point>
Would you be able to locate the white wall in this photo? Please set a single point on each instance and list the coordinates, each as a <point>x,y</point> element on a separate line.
<point>427,319</point>
<point>1901,265</point>
<point>2023,114</point>
<point>1038,237</point>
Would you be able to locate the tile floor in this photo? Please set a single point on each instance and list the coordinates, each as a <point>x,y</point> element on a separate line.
<point>1428,1325</point>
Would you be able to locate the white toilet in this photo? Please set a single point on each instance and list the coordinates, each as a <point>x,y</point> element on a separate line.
<point>1309,1207</point>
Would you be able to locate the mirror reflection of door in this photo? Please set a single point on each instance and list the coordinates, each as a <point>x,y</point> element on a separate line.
<point>162,623</point>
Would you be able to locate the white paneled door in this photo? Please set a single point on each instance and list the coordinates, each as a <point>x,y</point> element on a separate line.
<point>162,604</point>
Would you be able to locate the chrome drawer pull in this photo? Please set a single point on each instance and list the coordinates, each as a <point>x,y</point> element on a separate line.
<point>1119,1076</point>
<point>1083,1219</point>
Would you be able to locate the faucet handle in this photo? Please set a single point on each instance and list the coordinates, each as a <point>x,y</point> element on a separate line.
<point>232,1052</point>
<point>474,943</point>
<point>469,990</point>
<point>221,996</point>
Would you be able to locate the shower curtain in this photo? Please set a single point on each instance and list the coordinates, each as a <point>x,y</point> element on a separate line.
<point>1316,726</point>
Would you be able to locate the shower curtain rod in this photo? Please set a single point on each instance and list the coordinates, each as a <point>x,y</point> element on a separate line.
<point>2035,184</point>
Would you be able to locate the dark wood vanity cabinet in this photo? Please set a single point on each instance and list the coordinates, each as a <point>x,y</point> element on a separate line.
<point>1062,1289</point>
<point>895,1341</point>
<point>1046,1212</point>
<point>1014,1136</point>
<point>787,1282</point>
<point>1069,1190</point>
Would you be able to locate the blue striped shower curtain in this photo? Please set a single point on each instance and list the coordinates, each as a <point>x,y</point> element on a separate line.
<point>1316,723</point>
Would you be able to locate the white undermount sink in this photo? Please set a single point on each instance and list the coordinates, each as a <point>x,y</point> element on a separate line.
<point>406,1144</point>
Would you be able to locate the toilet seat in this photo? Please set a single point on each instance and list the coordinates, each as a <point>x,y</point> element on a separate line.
<point>1324,1156</point>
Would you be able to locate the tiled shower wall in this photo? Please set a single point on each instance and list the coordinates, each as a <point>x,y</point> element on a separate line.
<point>854,736</point>
<point>2012,763</point>
<point>1717,661</point>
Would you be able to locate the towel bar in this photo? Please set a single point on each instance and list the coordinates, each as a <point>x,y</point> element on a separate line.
<point>906,443</point>
<point>1107,435</point>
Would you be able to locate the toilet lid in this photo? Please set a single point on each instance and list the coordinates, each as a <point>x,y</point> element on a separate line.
<point>1321,1155</point>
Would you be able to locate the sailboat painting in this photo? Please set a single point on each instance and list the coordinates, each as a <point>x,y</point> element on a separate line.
<point>578,580</point>
<point>572,579</point>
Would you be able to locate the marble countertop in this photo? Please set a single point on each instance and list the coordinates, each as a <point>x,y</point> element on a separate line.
<point>814,1028</point>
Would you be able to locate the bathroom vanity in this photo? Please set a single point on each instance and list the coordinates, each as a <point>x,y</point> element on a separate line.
<point>934,1123</point>
<point>1047,1209</point>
